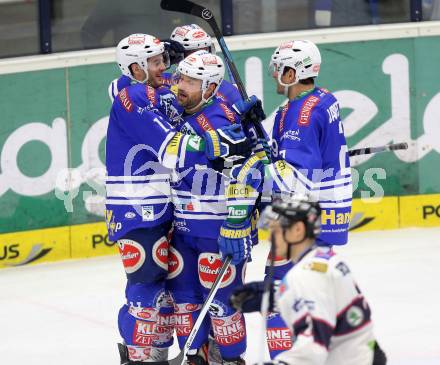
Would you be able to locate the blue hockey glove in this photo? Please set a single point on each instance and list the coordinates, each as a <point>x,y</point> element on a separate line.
<point>175,50</point>
<point>235,241</point>
<point>247,298</point>
<point>250,110</point>
<point>228,142</point>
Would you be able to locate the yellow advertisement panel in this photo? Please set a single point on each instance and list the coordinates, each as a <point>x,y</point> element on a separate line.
<point>420,211</point>
<point>90,240</point>
<point>368,215</point>
<point>374,214</point>
<point>36,246</point>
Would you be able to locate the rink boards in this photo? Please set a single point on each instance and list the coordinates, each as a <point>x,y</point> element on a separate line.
<point>89,240</point>
<point>55,115</point>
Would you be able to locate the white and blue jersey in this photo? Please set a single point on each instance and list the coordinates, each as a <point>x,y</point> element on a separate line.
<point>199,193</point>
<point>326,311</point>
<point>117,85</point>
<point>141,149</point>
<point>308,135</point>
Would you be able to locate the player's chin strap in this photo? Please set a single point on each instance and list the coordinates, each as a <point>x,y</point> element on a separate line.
<point>205,89</point>
<point>144,81</point>
<point>286,86</point>
<point>204,101</point>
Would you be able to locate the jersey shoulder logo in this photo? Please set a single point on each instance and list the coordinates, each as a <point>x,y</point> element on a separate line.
<point>125,100</point>
<point>282,118</point>
<point>318,266</point>
<point>204,123</point>
<point>221,96</point>
<point>305,112</point>
<point>228,112</point>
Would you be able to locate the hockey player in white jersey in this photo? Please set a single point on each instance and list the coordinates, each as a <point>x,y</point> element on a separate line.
<point>318,298</point>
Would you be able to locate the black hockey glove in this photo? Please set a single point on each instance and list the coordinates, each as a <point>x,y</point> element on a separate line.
<point>175,51</point>
<point>247,298</point>
<point>229,143</point>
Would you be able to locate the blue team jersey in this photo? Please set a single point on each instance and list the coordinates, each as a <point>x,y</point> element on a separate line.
<point>164,99</point>
<point>228,93</point>
<point>142,149</point>
<point>308,134</point>
<point>118,84</point>
<point>199,193</point>
<point>169,79</point>
<point>137,185</point>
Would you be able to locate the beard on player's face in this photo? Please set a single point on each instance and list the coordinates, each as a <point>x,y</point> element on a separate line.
<point>189,92</point>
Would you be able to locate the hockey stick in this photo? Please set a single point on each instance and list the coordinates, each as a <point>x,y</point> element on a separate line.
<point>188,7</point>
<point>265,301</point>
<point>205,308</point>
<point>371,150</point>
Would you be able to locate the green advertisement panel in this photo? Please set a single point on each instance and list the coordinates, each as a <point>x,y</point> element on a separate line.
<point>53,126</point>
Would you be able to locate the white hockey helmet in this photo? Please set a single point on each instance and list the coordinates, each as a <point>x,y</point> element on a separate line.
<point>192,37</point>
<point>303,56</point>
<point>204,66</point>
<point>138,48</point>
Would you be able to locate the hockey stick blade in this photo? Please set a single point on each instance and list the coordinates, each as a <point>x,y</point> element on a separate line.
<point>182,6</point>
<point>371,150</point>
<point>205,308</point>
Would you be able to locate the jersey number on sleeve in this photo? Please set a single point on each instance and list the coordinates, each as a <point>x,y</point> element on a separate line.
<point>159,122</point>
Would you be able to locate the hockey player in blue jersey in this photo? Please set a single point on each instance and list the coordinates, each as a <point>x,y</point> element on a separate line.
<point>309,152</point>
<point>131,53</point>
<point>143,59</point>
<point>141,148</point>
<point>308,134</point>
<point>183,41</point>
<point>200,212</point>
<point>193,38</point>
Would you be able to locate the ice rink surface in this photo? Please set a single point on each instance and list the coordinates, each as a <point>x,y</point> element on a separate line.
<point>65,313</point>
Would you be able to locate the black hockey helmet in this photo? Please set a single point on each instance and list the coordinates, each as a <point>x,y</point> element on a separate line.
<point>287,211</point>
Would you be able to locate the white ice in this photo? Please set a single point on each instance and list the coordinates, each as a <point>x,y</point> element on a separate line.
<point>65,313</point>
